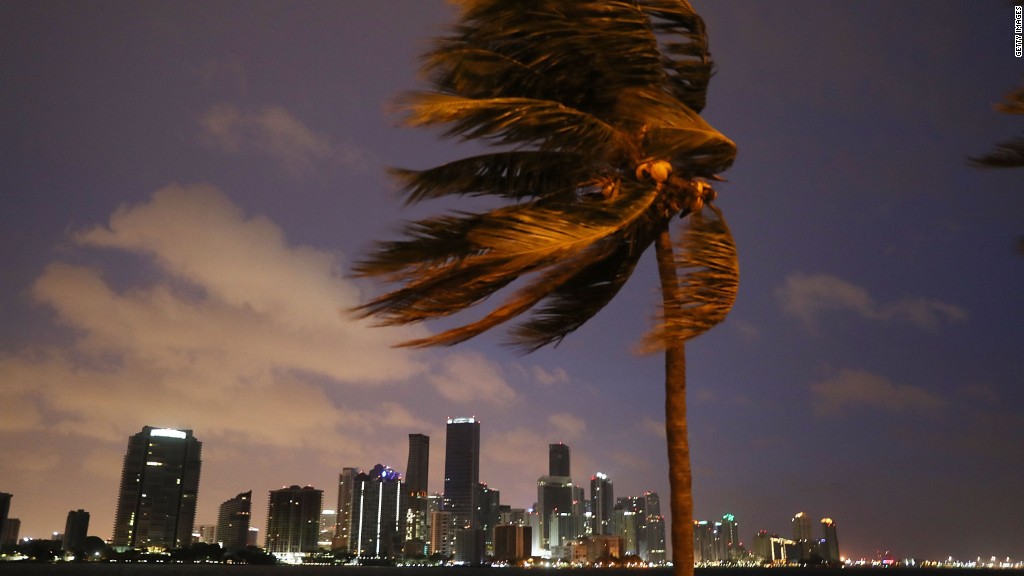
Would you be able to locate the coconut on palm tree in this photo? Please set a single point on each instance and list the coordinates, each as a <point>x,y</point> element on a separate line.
<point>591,110</point>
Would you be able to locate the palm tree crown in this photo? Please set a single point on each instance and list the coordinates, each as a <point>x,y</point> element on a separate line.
<point>591,108</point>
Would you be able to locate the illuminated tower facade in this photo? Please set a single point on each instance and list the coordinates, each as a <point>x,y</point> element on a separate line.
<point>293,520</point>
<point>802,527</point>
<point>602,501</point>
<point>233,519</point>
<point>462,470</point>
<point>417,512</point>
<point>730,537</point>
<point>830,544</point>
<point>156,503</point>
<point>378,513</point>
<point>655,535</point>
<point>346,480</point>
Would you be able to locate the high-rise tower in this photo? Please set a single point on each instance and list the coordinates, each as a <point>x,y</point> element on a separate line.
<point>417,512</point>
<point>156,504</point>
<point>602,501</point>
<point>378,514</point>
<point>419,462</point>
<point>233,519</point>
<point>343,530</point>
<point>462,470</point>
<point>802,527</point>
<point>830,544</point>
<point>293,520</point>
<point>558,460</point>
<point>76,529</point>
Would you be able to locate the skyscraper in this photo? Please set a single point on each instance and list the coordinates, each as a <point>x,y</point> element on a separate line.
<point>378,514</point>
<point>558,460</point>
<point>5,509</point>
<point>730,536</point>
<point>293,520</point>
<point>442,533</point>
<point>156,504</point>
<point>655,529</point>
<point>419,463</point>
<point>76,529</point>
<point>342,534</point>
<point>462,470</point>
<point>602,501</point>
<point>233,518</point>
<point>830,544</point>
<point>805,544</point>
<point>802,527</point>
<point>416,472</point>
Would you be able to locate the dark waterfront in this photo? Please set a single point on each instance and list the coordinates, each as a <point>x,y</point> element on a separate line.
<point>105,569</point>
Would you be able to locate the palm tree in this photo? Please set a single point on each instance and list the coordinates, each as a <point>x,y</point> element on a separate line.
<point>1009,154</point>
<point>591,109</point>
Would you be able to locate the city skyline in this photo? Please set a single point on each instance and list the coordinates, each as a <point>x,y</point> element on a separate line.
<point>375,522</point>
<point>185,189</point>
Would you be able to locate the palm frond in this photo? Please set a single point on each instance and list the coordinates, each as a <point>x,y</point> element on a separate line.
<point>685,55</point>
<point>514,175</point>
<point>522,300</point>
<point>580,297</point>
<point>452,263</point>
<point>708,285</point>
<point>1008,154</point>
<point>543,123</point>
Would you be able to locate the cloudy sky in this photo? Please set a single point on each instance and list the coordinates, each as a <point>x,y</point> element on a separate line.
<point>186,185</point>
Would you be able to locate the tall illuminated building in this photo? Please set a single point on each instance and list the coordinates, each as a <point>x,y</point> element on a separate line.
<point>378,514</point>
<point>346,481</point>
<point>488,513</point>
<point>156,503</point>
<point>557,500</point>
<point>729,535</point>
<point>555,505</point>
<point>233,519</point>
<point>462,470</point>
<point>802,527</point>
<point>806,545</point>
<point>602,502</point>
<point>442,534</point>
<point>655,535</point>
<point>830,544</point>
<point>416,472</point>
<point>293,520</point>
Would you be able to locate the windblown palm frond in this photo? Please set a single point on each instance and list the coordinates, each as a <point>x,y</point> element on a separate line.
<point>1009,154</point>
<point>708,286</point>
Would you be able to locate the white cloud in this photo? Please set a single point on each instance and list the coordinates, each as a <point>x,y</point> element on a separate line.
<point>275,132</point>
<point>808,297</point>
<point>858,388</point>
<point>236,328</point>
<point>550,377</point>
<point>653,427</point>
<point>567,426</point>
<point>468,377</point>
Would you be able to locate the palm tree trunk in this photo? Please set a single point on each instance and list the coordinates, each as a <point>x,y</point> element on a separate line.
<point>680,478</point>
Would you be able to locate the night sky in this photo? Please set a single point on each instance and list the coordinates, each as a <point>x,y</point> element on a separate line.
<point>185,186</point>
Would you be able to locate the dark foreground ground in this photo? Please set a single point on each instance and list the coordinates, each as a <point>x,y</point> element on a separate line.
<point>102,569</point>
